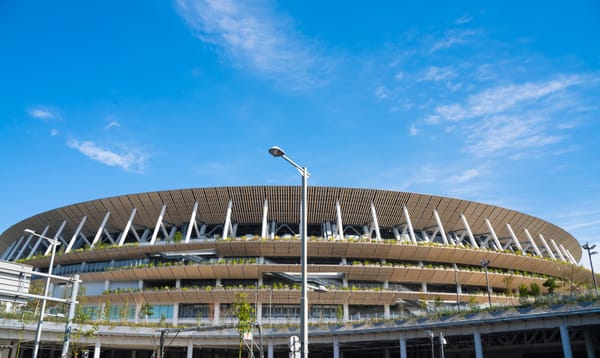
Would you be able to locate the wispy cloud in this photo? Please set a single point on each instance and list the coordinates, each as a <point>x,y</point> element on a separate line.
<point>54,132</point>
<point>254,38</point>
<point>381,92</point>
<point>112,124</point>
<point>129,160</point>
<point>452,38</point>
<point>501,99</point>
<point>466,18</point>
<point>435,73</point>
<point>41,113</point>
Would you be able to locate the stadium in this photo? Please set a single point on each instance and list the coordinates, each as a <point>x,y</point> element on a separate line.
<point>178,258</point>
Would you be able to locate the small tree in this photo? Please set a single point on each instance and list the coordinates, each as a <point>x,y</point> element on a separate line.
<point>523,293</point>
<point>551,284</point>
<point>536,290</point>
<point>146,311</point>
<point>246,316</point>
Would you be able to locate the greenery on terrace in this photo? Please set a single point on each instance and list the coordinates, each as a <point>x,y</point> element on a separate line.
<point>88,326</point>
<point>178,238</point>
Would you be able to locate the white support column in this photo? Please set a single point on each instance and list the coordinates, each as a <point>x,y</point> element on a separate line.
<point>340,226</point>
<point>75,235</point>
<point>346,311</point>
<point>227,225</point>
<point>97,349</point>
<point>560,255</point>
<point>159,223</point>
<point>568,254</point>
<point>259,313</point>
<point>566,343</point>
<point>494,236</point>
<point>514,238</point>
<point>477,344</point>
<point>217,313</point>
<point>190,349</point>
<point>264,228</point>
<point>175,319</point>
<point>469,232</point>
<point>336,347</point>
<point>440,226</point>
<point>533,244</point>
<point>10,248</point>
<point>127,227</point>
<point>56,237</point>
<point>25,245</point>
<point>386,311</point>
<point>100,229</point>
<point>548,249</point>
<point>270,349</point>
<point>375,222</point>
<point>403,347</point>
<point>38,243</point>
<point>192,224</point>
<point>411,232</point>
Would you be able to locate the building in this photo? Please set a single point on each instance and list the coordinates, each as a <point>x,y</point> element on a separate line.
<point>179,257</point>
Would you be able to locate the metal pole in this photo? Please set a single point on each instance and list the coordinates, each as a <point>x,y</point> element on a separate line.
<point>485,264</point>
<point>304,331</point>
<point>457,295</point>
<point>590,253</point>
<point>72,305</point>
<point>38,332</point>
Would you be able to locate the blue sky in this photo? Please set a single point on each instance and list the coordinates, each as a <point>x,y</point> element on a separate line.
<point>494,102</point>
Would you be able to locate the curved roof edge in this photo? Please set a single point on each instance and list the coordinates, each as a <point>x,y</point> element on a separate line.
<point>284,206</point>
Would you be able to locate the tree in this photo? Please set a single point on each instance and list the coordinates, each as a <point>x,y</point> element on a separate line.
<point>536,290</point>
<point>246,316</point>
<point>146,310</point>
<point>551,284</point>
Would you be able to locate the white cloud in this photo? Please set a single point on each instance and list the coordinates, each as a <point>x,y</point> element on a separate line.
<point>381,92</point>
<point>464,177</point>
<point>399,76</point>
<point>129,161</point>
<point>41,113</point>
<point>504,98</point>
<point>413,130</point>
<point>254,38</point>
<point>112,123</point>
<point>452,38</point>
<point>498,134</point>
<point>466,18</point>
<point>435,73</point>
<point>54,132</point>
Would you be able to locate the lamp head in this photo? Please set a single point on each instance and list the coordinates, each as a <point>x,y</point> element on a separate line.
<point>29,231</point>
<point>276,151</point>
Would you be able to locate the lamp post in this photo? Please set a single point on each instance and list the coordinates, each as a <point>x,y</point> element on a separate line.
<point>278,152</point>
<point>485,264</point>
<point>431,336</point>
<point>590,253</point>
<point>38,332</point>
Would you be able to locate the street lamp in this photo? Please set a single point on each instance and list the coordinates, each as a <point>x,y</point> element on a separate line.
<point>485,264</point>
<point>278,152</point>
<point>590,253</point>
<point>431,336</point>
<point>38,332</point>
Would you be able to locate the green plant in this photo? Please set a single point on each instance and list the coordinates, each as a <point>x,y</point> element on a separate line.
<point>246,316</point>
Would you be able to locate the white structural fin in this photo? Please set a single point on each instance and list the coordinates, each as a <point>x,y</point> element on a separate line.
<point>375,222</point>
<point>469,232</point>
<point>494,236</point>
<point>411,231</point>
<point>515,240</point>
<point>75,234</point>
<point>532,242</point>
<point>440,227</point>
<point>546,246</point>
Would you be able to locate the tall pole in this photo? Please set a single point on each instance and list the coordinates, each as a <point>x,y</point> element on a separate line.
<point>38,332</point>
<point>71,315</point>
<point>278,152</point>
<point>303,263</point>
<point>485,264</point>
<point>590,253</point>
